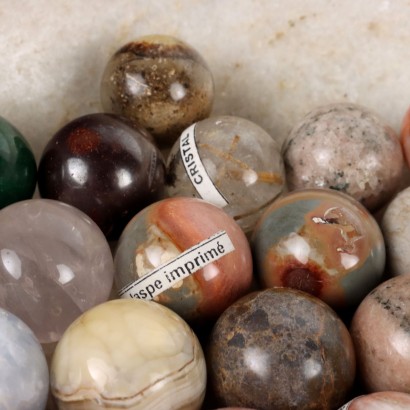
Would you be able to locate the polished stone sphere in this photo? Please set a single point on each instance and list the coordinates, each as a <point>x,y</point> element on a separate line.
<point>186,254</point>
<point>128,354</point>
<point>160,82</point>
<point>322,242</point>
<point>55,263</point>
<point>386,400</point>
<point>381,334</point>
<point>280,348</point>
<point>23,366</point>
<point>18,169</point>
<point>230,162</point>
<point>102,165</point>
<point>346,147</point>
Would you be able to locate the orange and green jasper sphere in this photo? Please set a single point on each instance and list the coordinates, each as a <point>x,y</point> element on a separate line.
<point>18,170</point>
<point>160,83</point>
<point>322,242</point>
<point>163,231</point>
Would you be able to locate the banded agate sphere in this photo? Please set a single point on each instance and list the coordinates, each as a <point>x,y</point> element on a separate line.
<point>128,354</point>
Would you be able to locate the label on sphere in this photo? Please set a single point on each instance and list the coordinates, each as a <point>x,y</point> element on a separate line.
<point>188,262</point>
<point>196,171</point>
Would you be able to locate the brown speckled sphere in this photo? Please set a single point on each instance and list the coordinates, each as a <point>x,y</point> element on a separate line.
<point>281,349</point>
<point>348,148</point>
<point>159,82</point>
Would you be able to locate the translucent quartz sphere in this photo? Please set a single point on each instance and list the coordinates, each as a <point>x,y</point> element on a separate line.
<point>186,254</point>
<point>348,148</point>
<point>128,354</point>
<point>230,162</point>
<point>160,83</point>
<point>55,263</point>
<point>23,366</point>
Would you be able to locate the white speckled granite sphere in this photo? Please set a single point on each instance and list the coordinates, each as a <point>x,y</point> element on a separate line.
<point>128,354</point>
<point>23,366</point>
<point>396,233</point>
<point>55,263</point>
<point>230,162</point>
<point>348,148</point>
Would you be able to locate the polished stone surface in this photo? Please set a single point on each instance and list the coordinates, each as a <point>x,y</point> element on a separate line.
<point>102,165</point>
<point>160,82</point>
<point>161,232</point>
<point>396,233</point>
<point>350,149</point>
<point>379,401</point>
<point>129,354</point>
<point>381,334</point>
<point>281,348</point>
<point>23,367</point>
<point>18,169</point>
<point>55,263</point>
<point>322,242</point>
<point>232,156</point>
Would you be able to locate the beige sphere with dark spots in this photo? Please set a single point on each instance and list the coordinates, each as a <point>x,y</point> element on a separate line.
<point>160,83</point>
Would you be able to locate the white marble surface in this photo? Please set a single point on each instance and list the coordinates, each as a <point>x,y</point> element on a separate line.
<point>272,60</point>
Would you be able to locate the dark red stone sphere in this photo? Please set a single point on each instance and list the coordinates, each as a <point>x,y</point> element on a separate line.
<point>281,349</point>
<point>104,166</point>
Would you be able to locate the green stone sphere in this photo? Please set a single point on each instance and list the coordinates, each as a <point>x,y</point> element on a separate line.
<point>18,169</point>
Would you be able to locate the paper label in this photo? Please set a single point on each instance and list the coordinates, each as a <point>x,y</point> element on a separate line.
<point>185,264</point>
<point>196,170</point>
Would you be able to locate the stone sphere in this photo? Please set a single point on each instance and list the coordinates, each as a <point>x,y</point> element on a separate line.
<point>128,354</point>
<point>281,348</point>
<point>160,82</point>
<point>380,331</point>
<point>105,166</point>
<point>322,242</point>
<point>186,254</point>
<point>230,162</point>
<point>387,400</point>
<point>348,148</point>
<point>18,169</point>
<point>23,367</point>
<point>396,233</point>
<point>55,263</point>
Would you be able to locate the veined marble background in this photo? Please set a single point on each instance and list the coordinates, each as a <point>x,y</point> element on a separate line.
<point>272,61</point>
